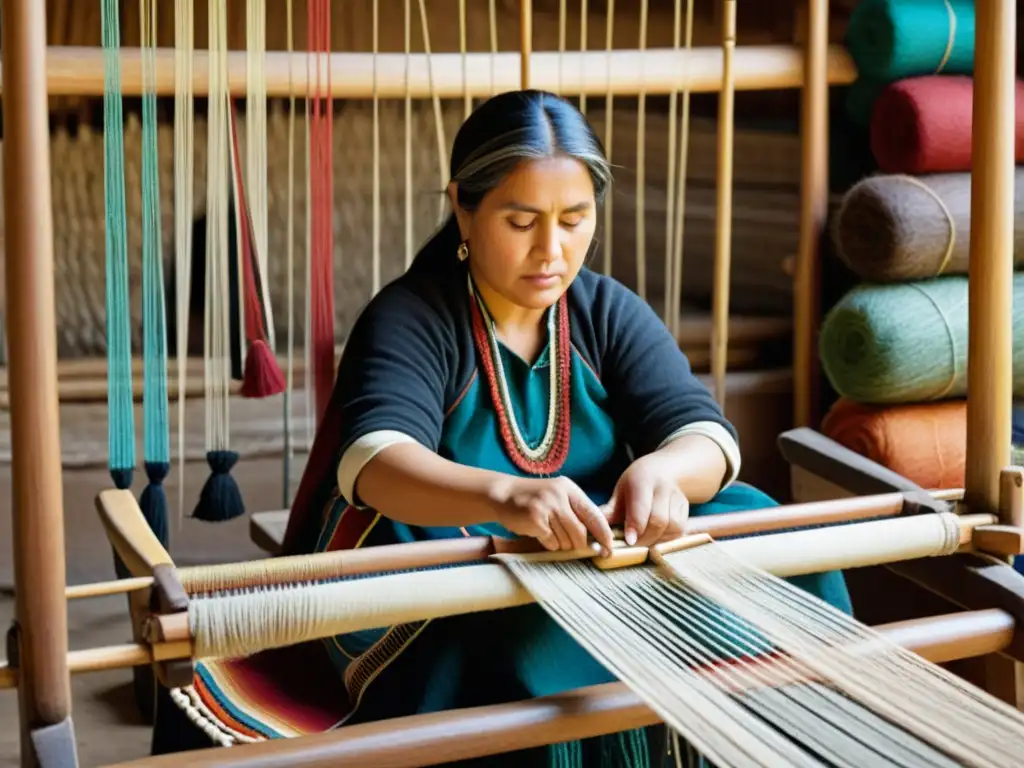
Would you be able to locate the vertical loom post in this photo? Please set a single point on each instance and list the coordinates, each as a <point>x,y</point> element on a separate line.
<point>723,206</point>
<point>813,212</point>
<point>525,41</point>
<point>990,279</point>
<point>44,687</point>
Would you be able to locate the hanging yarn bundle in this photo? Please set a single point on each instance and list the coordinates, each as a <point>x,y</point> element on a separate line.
<point>262,376</point>
<point>907,342</point>
<point>120,396</point>
<point>320,273</point>
<point>184,187</point>
<point>893,39</point>
<point>220,498</point>
<point>120,403</point>
<point>896,227</point>
<point>155,422</point>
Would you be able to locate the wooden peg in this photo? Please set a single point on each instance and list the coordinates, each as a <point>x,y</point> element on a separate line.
<point>621,557</point>
<point>1011,496</point>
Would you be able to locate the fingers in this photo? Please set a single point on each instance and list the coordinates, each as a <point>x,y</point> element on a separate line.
<point>572,525</point>
<point>592,519</point>
<point>636,499</point>
<point>658,516</point>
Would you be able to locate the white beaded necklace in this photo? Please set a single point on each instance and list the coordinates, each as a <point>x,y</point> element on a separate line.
<point>540,452</point>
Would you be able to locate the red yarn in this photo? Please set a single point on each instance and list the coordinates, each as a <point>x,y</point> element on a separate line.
<point>923,125</point>
<point>560,449</point>
<point>321,188</point>
<point>262,376</point>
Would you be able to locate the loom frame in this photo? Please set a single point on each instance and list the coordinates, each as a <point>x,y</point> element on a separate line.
<point>40,655</point>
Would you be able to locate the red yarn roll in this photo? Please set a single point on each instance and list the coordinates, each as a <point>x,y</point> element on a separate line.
<point>923,125</point>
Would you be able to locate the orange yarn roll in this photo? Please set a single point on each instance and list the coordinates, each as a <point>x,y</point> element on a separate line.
<point>924,442</point>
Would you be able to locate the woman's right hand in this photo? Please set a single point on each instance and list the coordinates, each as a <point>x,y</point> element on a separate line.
<point>553,510</point>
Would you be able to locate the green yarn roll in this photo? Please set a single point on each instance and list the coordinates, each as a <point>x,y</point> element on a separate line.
<point>907,342</point>
<point>893,39</point>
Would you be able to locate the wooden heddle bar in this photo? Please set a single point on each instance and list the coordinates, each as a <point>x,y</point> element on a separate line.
<point>78,71</point>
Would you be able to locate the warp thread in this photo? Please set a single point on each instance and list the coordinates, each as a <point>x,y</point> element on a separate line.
<point>894,227</point>
<point>907,342</point>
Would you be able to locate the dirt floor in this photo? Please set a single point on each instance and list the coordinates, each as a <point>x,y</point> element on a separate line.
<point>106,722</point>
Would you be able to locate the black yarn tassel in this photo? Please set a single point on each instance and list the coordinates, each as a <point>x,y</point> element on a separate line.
<point>153,501</point>
<point>122,481</point>
<point>220,498</point>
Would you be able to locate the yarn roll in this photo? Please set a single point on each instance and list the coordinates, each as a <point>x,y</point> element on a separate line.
<point>892,39</point>
<point>923,442</point>
<point>907,342</point>
<point>923,125</point>
<point>894,227</point>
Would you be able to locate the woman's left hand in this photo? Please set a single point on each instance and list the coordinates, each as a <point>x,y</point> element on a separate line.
<point>648,504</point>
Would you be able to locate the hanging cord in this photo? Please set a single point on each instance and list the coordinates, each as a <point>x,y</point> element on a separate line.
<point>121,419</point>
<point>375,235</point>
<point>442,154</point>
<point>408,137</point>
<point>641,164</point>
<point>681,177</point>
<point>220,498</point>
<point>184,182</point>
<point>156,428</point>
<point>262,376</point>
<point>290,276</point>
<point>609,107</point>
<point>321,182</point>
<point>120,403</point>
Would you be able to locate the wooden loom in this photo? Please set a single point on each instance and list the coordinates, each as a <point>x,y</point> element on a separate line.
<point>990,510</point>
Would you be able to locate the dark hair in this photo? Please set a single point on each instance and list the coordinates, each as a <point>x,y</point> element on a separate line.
<point>501,133</point>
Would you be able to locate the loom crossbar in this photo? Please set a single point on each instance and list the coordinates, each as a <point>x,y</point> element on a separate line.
<point>332,608</point>
<point>139,550</point>
<point>78,71</point>
<point>583,713</point>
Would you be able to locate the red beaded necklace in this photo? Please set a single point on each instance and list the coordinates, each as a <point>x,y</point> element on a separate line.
<point>548,456</point>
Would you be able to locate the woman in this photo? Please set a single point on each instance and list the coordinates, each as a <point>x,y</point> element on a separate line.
<point>501,388</point>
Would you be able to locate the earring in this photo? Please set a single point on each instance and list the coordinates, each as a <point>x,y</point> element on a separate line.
<point>463,251</point>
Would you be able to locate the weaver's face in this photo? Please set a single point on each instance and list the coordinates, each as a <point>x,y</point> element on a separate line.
<point>530,235</point>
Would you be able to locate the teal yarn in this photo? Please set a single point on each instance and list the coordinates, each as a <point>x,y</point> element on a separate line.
<point>893,39</point>
<point>907,342</point>
<point>155,422</point>
<point>121,415</point>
